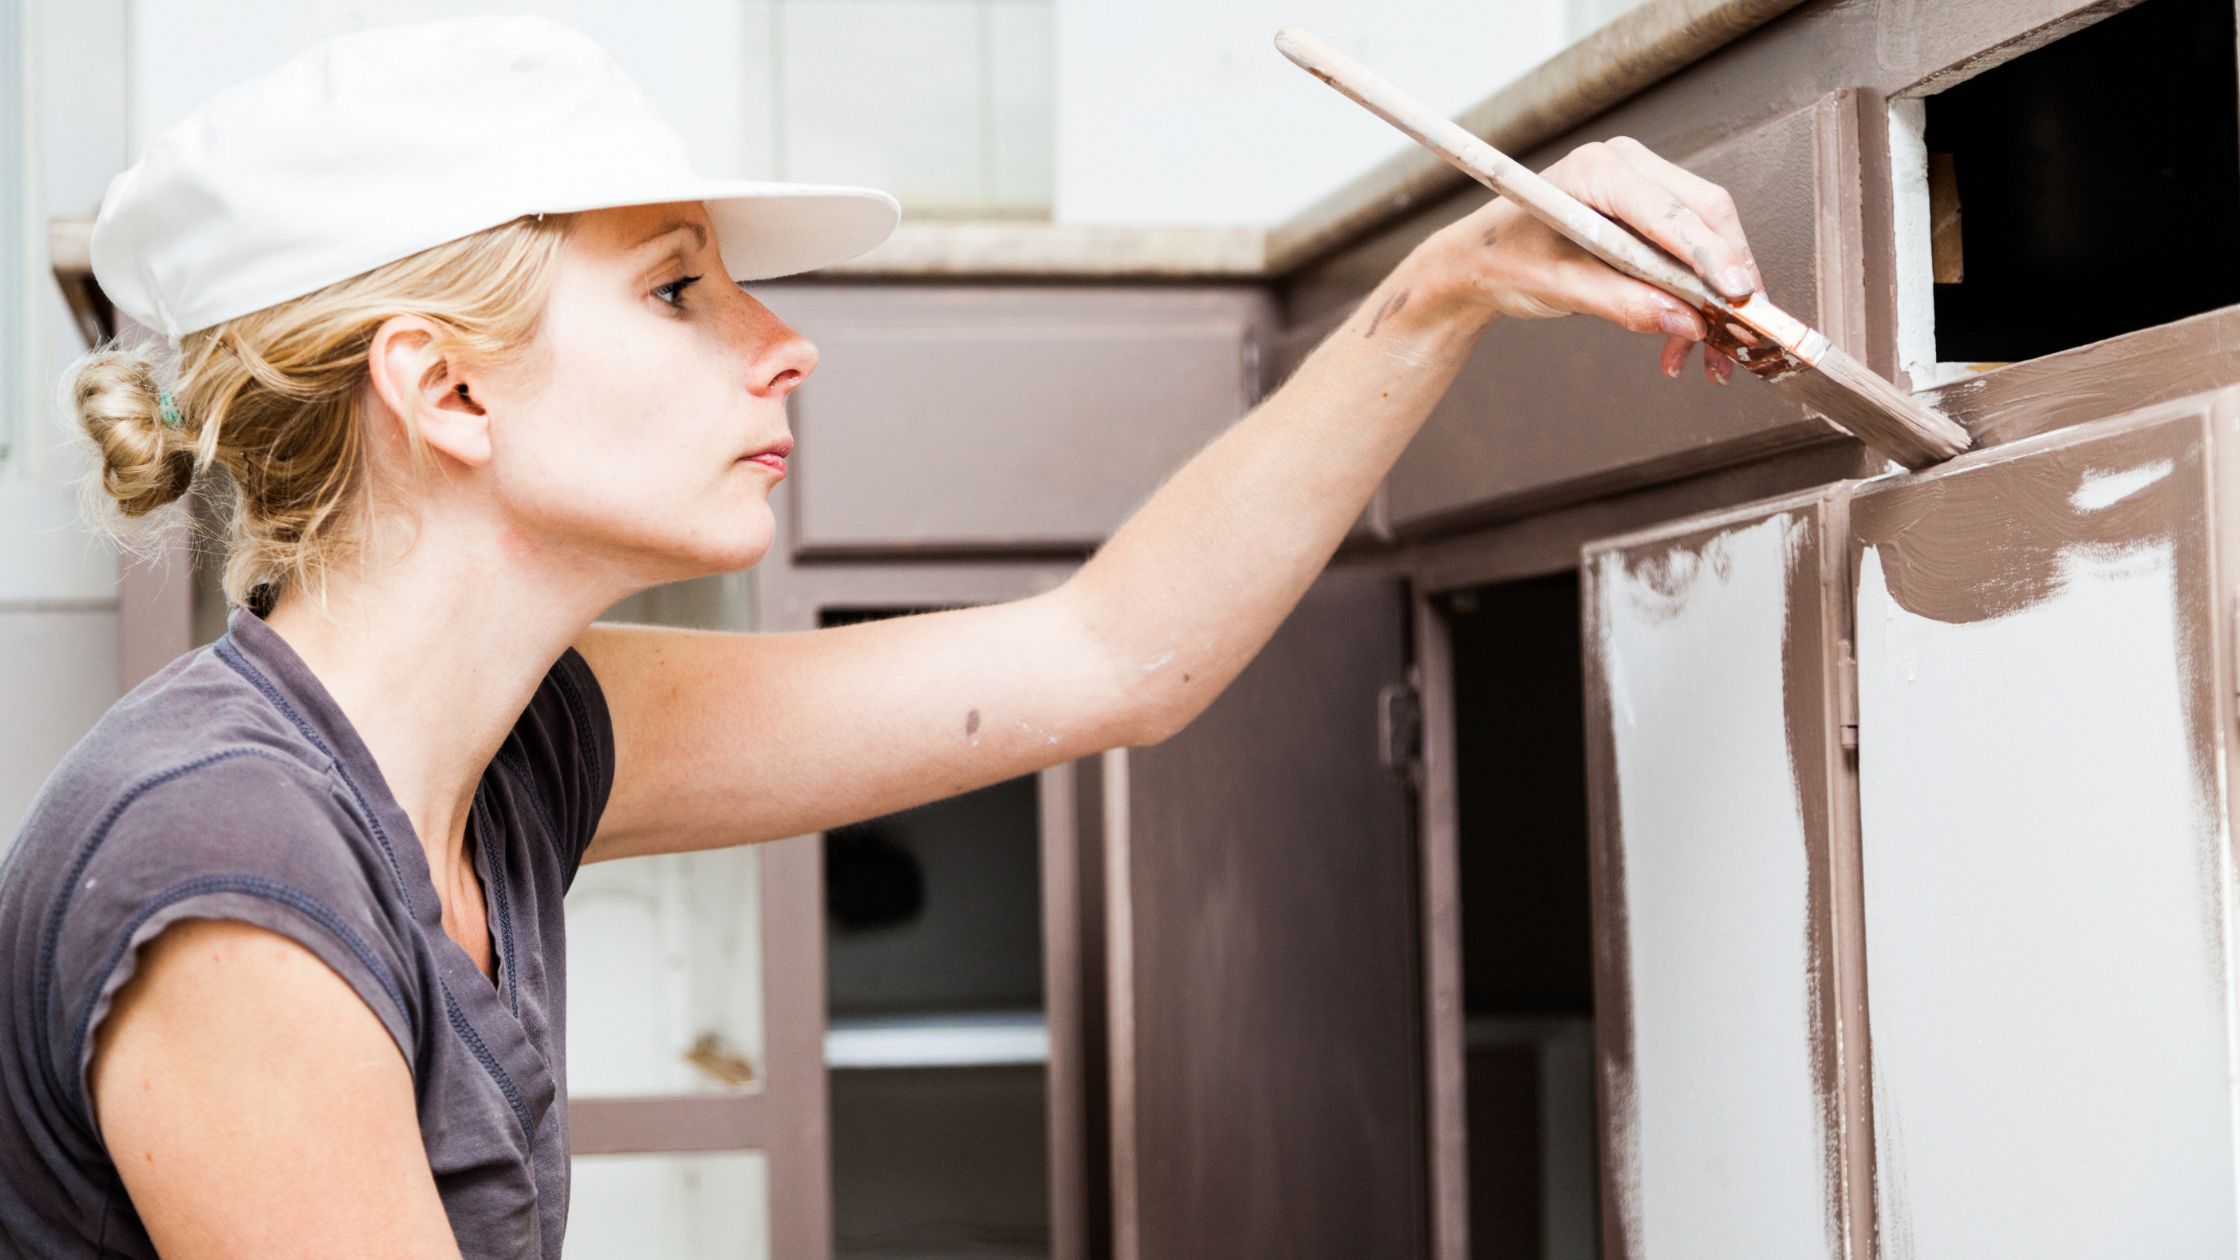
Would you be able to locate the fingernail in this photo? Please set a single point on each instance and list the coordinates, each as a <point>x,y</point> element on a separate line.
<point>1677,324</point>
<point>1736,281</point>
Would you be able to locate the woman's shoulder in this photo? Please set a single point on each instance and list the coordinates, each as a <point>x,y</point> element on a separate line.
<point>186,762</point>
<point>190,798</point>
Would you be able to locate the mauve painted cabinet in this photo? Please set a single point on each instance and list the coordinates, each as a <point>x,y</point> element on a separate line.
<point>2045,726</point>
<point>1005,418</point>
<point>1564,409</point>
<point>1263,1004</point>
<point>1725,894</point>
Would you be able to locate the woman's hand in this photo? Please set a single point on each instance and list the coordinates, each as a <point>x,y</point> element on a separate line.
<point>1512,264</point>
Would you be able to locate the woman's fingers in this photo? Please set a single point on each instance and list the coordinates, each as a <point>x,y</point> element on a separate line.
<point>1711,202</point>
<point>1583,284</point>
<point>1634,185</point>
<point>1717,367</point>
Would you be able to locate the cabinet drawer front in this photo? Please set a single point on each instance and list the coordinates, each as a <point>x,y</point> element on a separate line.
<point>991,419</point>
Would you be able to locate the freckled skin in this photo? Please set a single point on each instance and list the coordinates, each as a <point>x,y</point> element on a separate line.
<point>972,722</point>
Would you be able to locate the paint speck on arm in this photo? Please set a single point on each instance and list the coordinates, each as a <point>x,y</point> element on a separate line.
<point>1391,306</point>
<point>1158,662</point>
<point>972,722</point>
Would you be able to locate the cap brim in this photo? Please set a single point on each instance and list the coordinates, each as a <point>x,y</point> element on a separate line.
<point>765,229</point>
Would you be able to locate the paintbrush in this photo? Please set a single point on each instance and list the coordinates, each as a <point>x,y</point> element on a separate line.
<point>1772,344</point>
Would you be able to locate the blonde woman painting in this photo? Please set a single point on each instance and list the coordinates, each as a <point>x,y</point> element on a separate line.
<point>459,335</point>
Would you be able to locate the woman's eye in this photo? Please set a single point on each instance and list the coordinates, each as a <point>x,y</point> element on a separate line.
<point>678,285</point>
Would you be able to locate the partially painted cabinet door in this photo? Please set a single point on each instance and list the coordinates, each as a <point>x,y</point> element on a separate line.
<point>1263,1014</point>
<point>2044,720</point>
<point>1725,895</point>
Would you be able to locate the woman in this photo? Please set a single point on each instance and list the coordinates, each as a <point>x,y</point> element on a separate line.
<point>306,881</point>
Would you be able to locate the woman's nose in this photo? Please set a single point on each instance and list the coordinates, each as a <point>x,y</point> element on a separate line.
<point>783,358</point>
<point>791,363</point>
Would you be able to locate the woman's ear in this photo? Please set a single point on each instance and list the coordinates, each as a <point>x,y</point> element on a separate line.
<point>413,377</point>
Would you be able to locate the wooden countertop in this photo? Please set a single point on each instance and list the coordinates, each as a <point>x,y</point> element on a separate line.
<point>1625,56</point>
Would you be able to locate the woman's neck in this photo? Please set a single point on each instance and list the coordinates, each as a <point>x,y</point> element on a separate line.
<point>433,658</point>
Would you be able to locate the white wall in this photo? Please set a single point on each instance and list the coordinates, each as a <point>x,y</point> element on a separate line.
<point>945,103</point>
<point>1177,111</point>
<point>58,623</point>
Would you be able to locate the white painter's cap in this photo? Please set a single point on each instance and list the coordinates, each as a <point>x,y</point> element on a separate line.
<point>381,143</point>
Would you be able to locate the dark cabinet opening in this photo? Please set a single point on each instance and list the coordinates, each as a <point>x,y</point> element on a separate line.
<point>2089,187</point>
<point>1527,938</point>
<point>937,1050</point>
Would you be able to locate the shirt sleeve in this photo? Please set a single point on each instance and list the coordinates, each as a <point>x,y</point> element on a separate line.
<point>238,834</point>
<point>565,744</point>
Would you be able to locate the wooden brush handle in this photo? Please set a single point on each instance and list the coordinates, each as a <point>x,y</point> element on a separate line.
<point>1575,219</point>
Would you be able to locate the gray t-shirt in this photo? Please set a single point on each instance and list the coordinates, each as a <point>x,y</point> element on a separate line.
<point>230,785</point>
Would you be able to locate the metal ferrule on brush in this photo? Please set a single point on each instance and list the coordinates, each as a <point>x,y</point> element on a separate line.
<point>1784,343</point>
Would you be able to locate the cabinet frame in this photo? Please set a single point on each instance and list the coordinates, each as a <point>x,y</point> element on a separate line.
<point>796,1099</point>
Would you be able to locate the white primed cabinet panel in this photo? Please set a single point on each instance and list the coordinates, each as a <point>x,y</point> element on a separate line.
<point>1710,742</point>
<point>2045,852</point>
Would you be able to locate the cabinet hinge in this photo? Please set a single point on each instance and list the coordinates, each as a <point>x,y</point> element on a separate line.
<point>1400,730</point>
<point>1847,695</point>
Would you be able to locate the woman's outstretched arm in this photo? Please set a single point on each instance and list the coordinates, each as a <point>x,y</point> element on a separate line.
<point>1193,586</point>
<point>728,738</point>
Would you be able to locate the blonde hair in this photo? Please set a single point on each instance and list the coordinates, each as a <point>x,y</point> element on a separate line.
<point>271,407</point>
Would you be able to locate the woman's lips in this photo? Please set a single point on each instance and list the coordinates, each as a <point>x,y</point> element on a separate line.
<point>773,456</point>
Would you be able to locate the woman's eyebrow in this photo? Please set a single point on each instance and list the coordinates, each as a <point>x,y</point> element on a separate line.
<point>699,234</point>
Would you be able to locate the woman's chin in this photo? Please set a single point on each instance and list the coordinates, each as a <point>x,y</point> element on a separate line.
<point>744,541</point>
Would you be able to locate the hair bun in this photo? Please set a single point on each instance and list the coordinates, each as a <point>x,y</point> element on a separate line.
<point>116,399</point>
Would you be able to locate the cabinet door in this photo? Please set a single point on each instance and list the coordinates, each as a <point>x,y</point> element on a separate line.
<point>976,418</point>
<point>2043,726</point>
<point>1725,897</point>
<point>1266,1084</point>
<point>1562,409</point>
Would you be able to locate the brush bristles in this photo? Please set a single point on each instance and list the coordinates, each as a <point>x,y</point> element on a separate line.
<point>1876,412</point>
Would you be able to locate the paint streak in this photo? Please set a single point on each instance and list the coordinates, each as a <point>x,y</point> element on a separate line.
<point>2156,365</point>
<point>1808,658</point>
<point>1971,547</point>
<point>1893,1204</point>
<point>1391,306</point>
<point>1160,661</point>
<point>1616,1099</point>
<point>1660,600</point>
